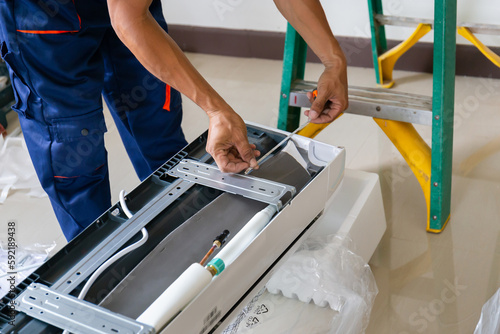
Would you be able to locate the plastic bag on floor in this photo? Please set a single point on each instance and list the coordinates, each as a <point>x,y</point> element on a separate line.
<point>16,169</point>
<point>26,260</point>
<point>490,316</point>
<point>322,288</point>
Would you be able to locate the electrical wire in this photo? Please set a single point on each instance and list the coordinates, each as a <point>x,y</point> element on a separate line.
<point>115,257</point>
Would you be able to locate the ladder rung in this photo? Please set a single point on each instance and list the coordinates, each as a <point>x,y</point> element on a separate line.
<point>401,21</point>
<point>374,102</point>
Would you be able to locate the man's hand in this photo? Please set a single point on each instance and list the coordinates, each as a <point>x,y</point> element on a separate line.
<point>228,142</point>
<point>332,96</point>
<point>308,18</point>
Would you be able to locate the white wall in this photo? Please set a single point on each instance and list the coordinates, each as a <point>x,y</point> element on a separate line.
<point>347,18</point>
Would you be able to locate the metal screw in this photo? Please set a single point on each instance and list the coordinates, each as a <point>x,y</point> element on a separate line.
<point>284,95</point>
<point>435,184</point>
<point>378,108</point>
<point>435,217</point>
<point>437,117</point>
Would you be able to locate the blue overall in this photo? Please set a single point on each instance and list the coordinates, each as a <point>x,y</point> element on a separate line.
<point>63,57</point>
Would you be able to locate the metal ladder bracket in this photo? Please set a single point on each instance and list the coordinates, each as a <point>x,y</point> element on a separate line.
<point>374,102</point>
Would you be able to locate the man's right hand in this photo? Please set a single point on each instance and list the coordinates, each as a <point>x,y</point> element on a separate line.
<point>332,97</point>
<point>228,143</point>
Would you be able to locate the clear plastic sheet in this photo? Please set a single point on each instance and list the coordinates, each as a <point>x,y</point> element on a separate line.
<point>489,322</point>
<point>27,260</point>
<point>323,288</point>
<point>16,169</point>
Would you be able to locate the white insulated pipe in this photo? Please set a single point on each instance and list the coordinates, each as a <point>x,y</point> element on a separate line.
<point>192,281</point>
<point>245,236</point>
<point>176,297</point>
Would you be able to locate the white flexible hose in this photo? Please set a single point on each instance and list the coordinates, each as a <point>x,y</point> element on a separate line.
<point>115,257</point>
<point>118,255</point>
<point>124,205</point>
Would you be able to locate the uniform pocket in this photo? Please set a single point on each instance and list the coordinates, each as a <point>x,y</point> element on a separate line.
<point>90,126</point>
<point>78,146</point>
<point>21,89</point>
<point>46,16</point>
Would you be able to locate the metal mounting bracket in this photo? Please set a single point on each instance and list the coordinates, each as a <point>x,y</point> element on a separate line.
<point>77,316</point>
<point>255,188</point>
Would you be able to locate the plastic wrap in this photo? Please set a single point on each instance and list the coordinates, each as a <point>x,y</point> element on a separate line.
<point>323,288</point>
<point>27,260</point>
<point>489,322</point>
<point>16,169</point>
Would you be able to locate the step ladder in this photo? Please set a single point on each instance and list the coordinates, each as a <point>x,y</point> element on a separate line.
<point>395,113</point>
<point>384,60</point>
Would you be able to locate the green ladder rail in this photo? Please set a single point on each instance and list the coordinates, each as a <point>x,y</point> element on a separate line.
<point>394,112</point>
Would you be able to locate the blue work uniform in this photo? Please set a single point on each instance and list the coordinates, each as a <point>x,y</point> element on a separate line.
<point>63,57</point>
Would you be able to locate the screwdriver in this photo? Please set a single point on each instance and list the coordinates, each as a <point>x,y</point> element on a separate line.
<point>249,169</point>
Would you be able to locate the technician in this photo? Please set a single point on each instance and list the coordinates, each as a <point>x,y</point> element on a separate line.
<point>65,55</point>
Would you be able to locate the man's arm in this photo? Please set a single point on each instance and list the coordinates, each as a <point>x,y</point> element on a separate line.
<point>159,54</point>
<point>308,18</point>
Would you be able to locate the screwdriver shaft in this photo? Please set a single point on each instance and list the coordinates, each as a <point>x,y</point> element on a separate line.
<point>249,169</point>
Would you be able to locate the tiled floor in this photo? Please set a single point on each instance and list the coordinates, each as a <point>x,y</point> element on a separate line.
<point>428,283</point>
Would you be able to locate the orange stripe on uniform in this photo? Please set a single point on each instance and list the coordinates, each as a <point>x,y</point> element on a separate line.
<point>73,177</point>
<point>65,177</point>
<point>79,18</point>
<point>166,106</point>
<point>47,31</point>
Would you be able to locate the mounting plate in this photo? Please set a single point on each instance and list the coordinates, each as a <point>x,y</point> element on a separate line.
<point>255,188</point>
<point>77,316</point>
